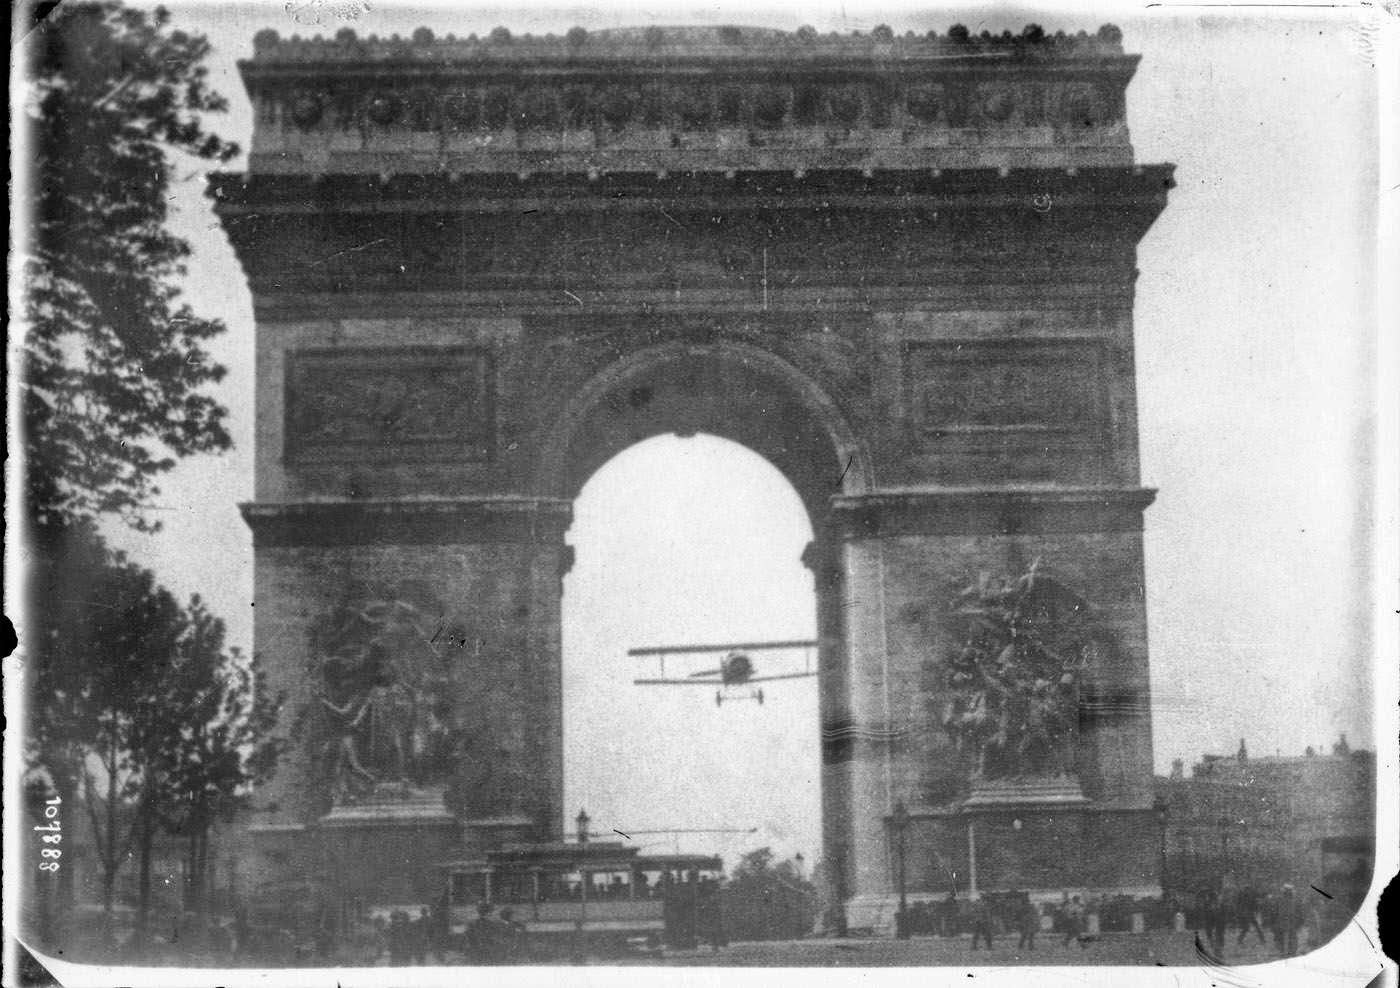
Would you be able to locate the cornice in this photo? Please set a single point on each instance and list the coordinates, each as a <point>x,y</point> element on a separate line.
<point>980,511</point>
<point>436,188</point>
<point>408,522</point>
<point>1061,292</point>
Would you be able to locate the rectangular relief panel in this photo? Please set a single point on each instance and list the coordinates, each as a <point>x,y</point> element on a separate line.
<point>380,404</point>
<point>1029,410</point>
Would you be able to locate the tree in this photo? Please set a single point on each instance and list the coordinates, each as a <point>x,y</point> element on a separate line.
<point>139,716</point>
<point>114,363</point>
<point>64,575</point>
<point>104,637</point>
<point>768,901</point>
<point>198,766</point>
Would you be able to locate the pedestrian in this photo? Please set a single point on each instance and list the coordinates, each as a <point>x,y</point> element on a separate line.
<point>948,916</point>
<point>242,930</point>
<point>380,942</point>
<point>1072,915</point>
<point>420,937</point>
<point>1290,917</point>
<point>512,934</point>
<point>399,949</point>
<point>1247,913</point>
<point>1027,924</point>
<point>487,937</point>
<point>1212,921</point>
<point>981,922</point>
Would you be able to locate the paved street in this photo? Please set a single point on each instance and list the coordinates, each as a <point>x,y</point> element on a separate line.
<point>1169,949</point>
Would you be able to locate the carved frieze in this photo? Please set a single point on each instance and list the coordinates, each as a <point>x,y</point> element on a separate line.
<point>383,709</point>
<point>673,89</point>
<point>606,108</point>
<point>431,403</point>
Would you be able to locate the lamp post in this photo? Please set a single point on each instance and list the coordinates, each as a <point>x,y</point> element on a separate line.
<point>582,820</point>
<point>899,820</point>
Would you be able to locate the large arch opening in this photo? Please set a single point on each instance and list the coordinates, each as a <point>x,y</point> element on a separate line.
<point>681,541</point>
<point>693,396</point>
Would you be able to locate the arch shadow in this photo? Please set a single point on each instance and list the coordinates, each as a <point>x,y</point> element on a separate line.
<point>733,390</point>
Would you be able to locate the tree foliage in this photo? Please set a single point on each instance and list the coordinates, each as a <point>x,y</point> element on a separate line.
<point>199,766</point>
<point>115,363</point>
<point>768,900</point>
<point>1012,685</point>
<point>137,705</point>
<point>104,634</point>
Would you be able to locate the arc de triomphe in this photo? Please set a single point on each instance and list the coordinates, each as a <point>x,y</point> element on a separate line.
<point>900,268</point>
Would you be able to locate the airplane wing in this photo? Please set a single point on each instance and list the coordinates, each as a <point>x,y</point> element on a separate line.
<point>731,647</point>
<point>790,675</point>
<point>675,682</point>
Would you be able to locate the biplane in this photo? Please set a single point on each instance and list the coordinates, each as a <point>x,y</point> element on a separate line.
<point>736,674</point>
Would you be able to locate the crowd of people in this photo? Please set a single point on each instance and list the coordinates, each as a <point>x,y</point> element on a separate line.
<point>1242,910</point>
<point>1224,917</point>
<point>988,917</point>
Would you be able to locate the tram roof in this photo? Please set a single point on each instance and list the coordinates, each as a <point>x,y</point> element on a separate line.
<point>594,856</point>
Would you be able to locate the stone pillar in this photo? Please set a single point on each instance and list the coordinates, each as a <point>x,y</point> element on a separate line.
<point>494,565</point>
<point>823,558</point>
<point>905,556</point>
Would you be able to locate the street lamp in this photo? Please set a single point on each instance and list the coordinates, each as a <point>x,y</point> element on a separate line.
<point>899,819</point>
<point>582,821</point>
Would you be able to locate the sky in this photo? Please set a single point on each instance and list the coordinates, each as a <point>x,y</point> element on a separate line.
<point>1256,352</point>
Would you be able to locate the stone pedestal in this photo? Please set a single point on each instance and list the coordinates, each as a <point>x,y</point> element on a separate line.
<point>386,848</point>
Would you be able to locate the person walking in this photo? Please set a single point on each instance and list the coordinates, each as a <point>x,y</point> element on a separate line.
<point>1212,921</point>
<point>1073,917</point>
<point>1247,913</point>
<point>400,950</point>
<point>417,939</point>
<point>1290,917</point>
<point>948,916</point>
<point>512,937</point>
<point>981,922</point>
<point>1027,924</point>
<point>486,937</point>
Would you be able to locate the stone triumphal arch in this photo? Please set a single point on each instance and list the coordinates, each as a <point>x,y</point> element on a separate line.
<point>900,268</point>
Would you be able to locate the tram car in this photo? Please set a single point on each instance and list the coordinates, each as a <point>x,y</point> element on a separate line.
<point>603,897</point>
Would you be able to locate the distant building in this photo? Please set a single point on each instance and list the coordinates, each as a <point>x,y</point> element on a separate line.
<point>1305,819</point>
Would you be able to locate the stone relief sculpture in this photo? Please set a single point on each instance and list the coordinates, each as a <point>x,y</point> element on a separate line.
<point>382,694</point>
<point>1012,683</point>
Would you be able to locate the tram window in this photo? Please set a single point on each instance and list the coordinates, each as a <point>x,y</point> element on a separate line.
<point>512,886</point>
<point>468,887</point>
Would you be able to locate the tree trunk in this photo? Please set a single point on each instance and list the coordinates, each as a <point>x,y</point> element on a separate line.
<point>66,786</point>
<point>109,878</point>
<point>201,872</point>
<point>188,904</point>
<point>146,838</point>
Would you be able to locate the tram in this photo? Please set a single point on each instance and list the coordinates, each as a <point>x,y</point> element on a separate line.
<point>604,893</point>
